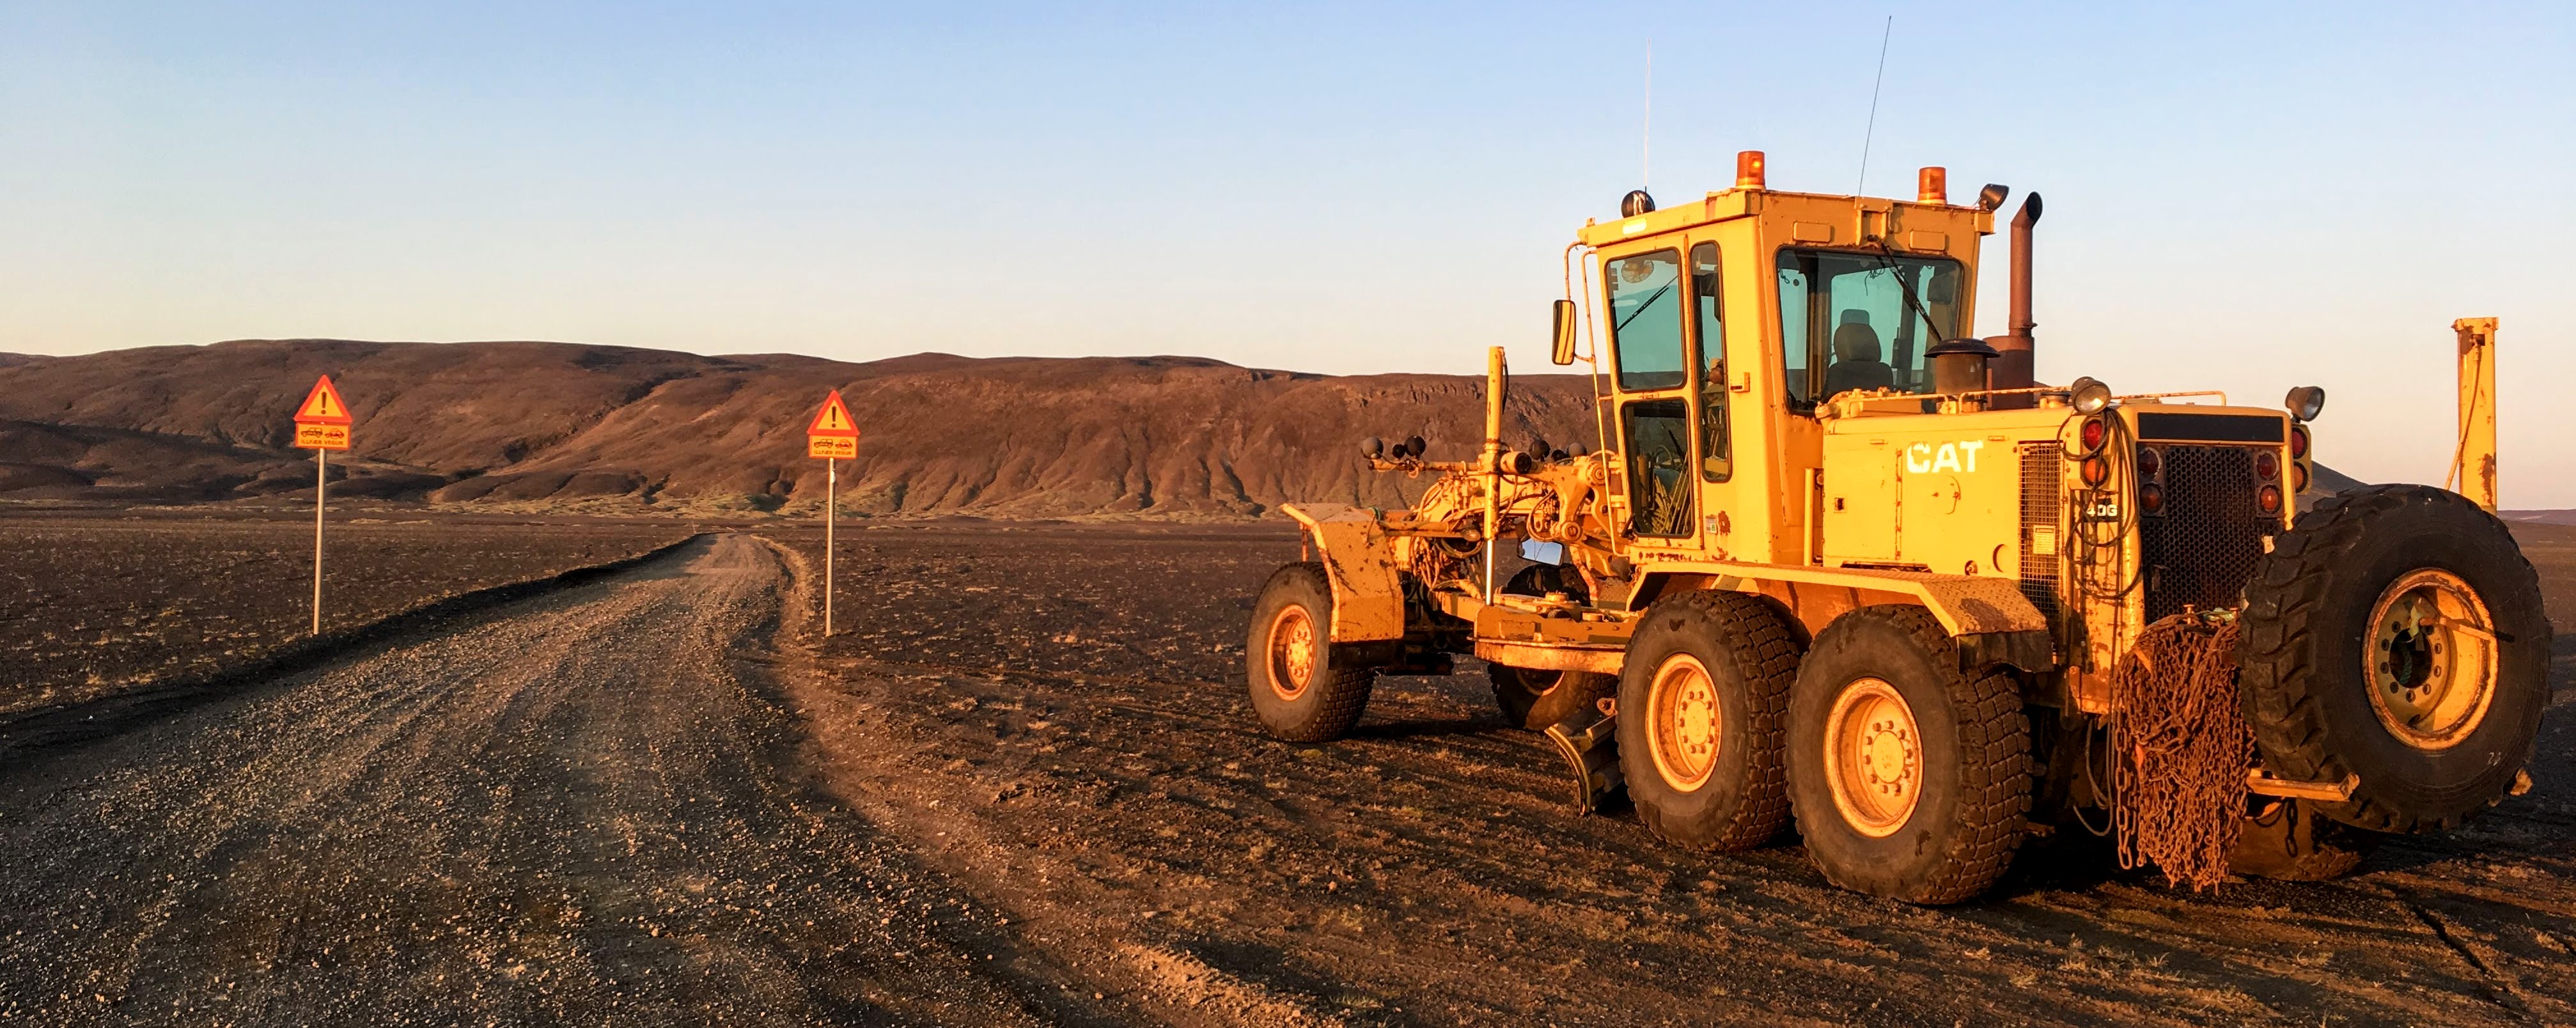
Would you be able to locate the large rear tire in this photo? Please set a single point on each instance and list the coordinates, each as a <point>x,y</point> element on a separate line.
<point>1305,687</point>
<point>1703,699</point>
<point>2395,640</point>
<point>1910,776</point>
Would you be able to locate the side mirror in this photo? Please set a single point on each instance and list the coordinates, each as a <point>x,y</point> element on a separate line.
<point>1563,351</point>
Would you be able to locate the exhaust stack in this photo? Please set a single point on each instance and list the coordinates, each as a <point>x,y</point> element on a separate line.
<point>2014,367</point>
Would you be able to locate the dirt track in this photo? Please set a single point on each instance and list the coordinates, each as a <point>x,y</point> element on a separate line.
<point>570,809</point>
<point>646,801</point>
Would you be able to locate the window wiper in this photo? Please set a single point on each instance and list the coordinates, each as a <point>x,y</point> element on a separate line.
<point>1887,259</point>
<point>1643,307</point>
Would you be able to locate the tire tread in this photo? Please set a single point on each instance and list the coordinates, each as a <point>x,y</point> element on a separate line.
<point>1340,692</point>
<point>1995,772</point>
<point>1767,652</point>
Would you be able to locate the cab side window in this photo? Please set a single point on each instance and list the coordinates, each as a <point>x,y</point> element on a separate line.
<point>1656,434</point>
<point>1716,460</point>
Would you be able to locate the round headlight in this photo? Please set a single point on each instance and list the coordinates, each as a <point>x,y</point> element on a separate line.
<point>2088,395</point>
<point>2306,402</point>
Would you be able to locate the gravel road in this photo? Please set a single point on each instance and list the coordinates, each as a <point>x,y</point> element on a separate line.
<point>579,808</point>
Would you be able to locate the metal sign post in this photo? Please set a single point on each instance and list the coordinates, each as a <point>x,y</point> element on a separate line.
<point>321,425</point>
<point>832,436</point>
<point>321,479</point>
<point>831,498</point>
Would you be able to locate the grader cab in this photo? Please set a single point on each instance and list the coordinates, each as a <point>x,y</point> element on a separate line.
<point>1835,561</point>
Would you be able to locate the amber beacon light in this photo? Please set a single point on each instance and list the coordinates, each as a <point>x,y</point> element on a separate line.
<point>1932,185</point>
<point>1748,170</point>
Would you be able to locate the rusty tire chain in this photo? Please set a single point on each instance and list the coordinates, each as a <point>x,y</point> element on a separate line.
<point>2182,747</point>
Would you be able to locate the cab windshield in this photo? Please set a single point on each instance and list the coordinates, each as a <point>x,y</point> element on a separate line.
<point>1858,320</point>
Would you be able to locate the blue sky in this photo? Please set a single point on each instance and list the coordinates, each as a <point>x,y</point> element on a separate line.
<point>2240,197</point>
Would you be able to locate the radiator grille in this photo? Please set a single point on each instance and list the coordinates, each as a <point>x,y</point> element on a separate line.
<point>2202,548</point>
<point>2042,484</point>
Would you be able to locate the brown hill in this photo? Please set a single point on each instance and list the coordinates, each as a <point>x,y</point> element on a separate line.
<point>555,425</point>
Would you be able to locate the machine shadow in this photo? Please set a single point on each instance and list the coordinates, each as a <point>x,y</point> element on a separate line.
<point>1421,728</point>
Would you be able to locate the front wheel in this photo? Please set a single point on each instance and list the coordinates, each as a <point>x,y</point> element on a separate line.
<point>1910,776</point>
<point>1305,688</point>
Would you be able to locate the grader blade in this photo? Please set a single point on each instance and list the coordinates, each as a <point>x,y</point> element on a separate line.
<point>1588,742</point>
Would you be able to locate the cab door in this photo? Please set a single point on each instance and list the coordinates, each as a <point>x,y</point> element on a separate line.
<point>1712,436</point>
<point>1655,415</point>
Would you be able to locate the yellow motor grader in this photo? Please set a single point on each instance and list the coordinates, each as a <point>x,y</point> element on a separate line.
<point>1835,561</point>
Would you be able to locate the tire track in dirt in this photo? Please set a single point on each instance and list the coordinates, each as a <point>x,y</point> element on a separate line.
<point>581,807</point>
<point>1426,870</point>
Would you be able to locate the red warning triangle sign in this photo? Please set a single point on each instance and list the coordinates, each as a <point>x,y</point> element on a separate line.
<point>834,419</point>
<point>322,406</point>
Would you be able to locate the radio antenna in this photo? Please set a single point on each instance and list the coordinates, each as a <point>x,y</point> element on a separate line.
<point>1646,144</point>
<point>1872,129</point>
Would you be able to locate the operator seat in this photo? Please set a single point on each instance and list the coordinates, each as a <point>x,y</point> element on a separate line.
<point>1857,361</point>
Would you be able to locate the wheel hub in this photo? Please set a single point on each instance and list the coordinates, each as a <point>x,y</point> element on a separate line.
<point>1873,757</point>
<point>1292,652</point>
<point>1684,721</point>
<point>2431,659</point>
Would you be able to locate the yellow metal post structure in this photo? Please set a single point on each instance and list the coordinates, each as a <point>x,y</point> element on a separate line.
<point>2474,464</point>
<point>321,477</point>
<point>1493,460</point>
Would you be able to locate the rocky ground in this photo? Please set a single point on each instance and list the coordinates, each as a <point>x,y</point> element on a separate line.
<point>92,604</point>
<point>1056,716</point>
<point>1021,785</point>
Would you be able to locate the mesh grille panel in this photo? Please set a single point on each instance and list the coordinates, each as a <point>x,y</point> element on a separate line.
<point>2202,548</point>
<point>2042,483</point>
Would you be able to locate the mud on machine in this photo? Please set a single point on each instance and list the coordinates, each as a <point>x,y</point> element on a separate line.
<point>1835,562</point>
